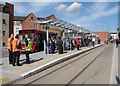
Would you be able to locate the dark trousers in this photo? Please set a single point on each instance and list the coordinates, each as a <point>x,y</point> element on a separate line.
<point>53,48</point>
<point>27,56</point>
<point>78,46</point>
<point>60,48</point>
<point>10,56</point>
<point>16,57</point>
<point>93,44</point>
<point>116,44</point>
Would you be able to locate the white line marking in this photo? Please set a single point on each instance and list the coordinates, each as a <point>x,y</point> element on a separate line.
<point>114,68</point>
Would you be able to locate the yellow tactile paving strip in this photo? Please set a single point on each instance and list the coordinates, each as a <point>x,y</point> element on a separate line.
<point>27,67</point>
<point>4,80</point>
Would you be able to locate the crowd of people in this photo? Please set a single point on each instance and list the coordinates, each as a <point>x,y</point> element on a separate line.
<point>60,44</point>
<point>70,44</point>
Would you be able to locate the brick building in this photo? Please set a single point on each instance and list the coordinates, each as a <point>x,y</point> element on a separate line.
<point>7,17</point>
<point>102,35</point>
<point>25,23</point>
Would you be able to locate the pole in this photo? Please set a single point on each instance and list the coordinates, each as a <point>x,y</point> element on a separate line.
<point>63,40</point>
<point>47,40</point>
<point>108,32</point>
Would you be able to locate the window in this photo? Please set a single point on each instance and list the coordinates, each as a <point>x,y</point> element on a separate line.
<point>5,9</point>
<point>3,33</point>
<point>3,44</point>
<point>35,26</point>
<point>17,29</point>
<point>31,17</point>
<point>17,23</point>
<point>4,22</point>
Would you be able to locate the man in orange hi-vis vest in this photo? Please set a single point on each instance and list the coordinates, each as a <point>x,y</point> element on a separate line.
<point>9,46</point>
<point>16,46</point>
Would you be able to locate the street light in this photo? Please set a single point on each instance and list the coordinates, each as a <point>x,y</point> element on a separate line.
<point>108,31</point>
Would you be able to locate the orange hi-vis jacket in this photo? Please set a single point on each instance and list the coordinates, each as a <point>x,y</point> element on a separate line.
<point>15,42</point>
<point>9,43</point>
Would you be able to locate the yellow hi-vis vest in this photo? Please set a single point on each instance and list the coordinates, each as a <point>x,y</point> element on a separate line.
<point>28,48</point>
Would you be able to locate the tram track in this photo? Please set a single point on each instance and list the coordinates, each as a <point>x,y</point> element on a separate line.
<point>69,62</point>
<point>84,68</point>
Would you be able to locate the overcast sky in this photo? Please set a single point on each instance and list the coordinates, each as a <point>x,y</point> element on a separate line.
<point>97,16</point>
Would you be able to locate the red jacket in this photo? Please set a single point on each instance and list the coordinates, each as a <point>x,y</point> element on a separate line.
<point>78,42</point>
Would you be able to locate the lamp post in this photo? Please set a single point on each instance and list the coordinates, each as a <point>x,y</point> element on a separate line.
<point>108,31</point>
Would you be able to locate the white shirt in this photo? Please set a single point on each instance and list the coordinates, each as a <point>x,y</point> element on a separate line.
<point>93,39</point>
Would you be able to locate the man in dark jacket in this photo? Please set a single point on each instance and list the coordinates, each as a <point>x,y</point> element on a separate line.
<point>60,45</point>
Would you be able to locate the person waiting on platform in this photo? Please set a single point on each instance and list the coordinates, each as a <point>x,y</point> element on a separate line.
<point>9,46</point>
<point>117,42</point>
<point>16,46</point>
<point>60,45</point>
<point>78,43</point>
<point>28,48</point>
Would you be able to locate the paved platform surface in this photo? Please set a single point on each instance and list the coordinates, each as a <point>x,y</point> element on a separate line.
<point>10,73</point>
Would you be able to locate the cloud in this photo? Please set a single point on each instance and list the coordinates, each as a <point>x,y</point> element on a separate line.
<point>37,6</point>
<point>59,0</point>
<point>61,7</point>
<point>24,8</point>
<point>99,10</point>
<point>74,8</point>
<point>100,6</point>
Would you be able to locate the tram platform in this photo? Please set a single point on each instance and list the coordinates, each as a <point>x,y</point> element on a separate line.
<point>38,62</point>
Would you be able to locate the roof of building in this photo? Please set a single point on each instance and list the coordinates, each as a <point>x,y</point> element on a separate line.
<point>113,33</point>
<point>22,18</point>
<point>39,18</point>
<point>51,17</point>
<point>19,18</point>
<point>101,32</point>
